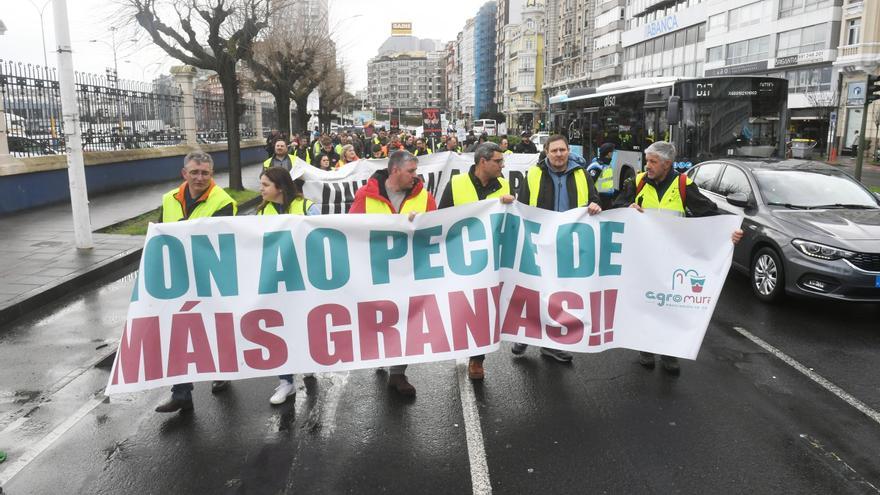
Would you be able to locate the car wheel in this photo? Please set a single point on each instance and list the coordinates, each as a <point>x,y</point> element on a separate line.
<point>767,275</point>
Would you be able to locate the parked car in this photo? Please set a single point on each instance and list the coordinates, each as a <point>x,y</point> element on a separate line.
<point>22,147</point>
<point>810,229</point>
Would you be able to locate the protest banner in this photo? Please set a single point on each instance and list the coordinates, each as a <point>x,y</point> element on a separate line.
<point>240,297</point>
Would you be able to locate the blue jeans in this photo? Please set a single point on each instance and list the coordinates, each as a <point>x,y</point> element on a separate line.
<point>289,378</point>
<point>182,391</point>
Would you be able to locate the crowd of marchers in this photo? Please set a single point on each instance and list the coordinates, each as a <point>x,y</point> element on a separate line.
<point>559,181</point>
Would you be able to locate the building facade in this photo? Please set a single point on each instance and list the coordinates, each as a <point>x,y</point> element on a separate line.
<point>484,60</point>
<point>607,50</point>
<point>522,73</point>
<point>663,39</point>
<point>568,53</point>
<point>407,73</point>
<point>466,77</point>
<point>858,54</point>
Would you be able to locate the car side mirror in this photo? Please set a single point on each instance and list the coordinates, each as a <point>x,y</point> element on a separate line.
<point>740,199</point>
<point>673,113</point>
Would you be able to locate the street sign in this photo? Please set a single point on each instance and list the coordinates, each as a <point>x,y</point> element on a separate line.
<point>855,94</point>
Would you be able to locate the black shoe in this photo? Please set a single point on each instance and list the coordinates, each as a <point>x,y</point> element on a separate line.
<point>219,386</point>
<point>670,365</point>
<point>311,383</point>
<point>174,405</point>
<point>561,356</point>
<point>646,359</point>
<point>519,348</point>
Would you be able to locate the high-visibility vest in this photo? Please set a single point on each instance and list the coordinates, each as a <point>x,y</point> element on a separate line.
<point>506,152</point>
<point>418,204</point>
<point>605,182</point>
<point>214,199</point>
<point>418,151</point>
<point>673,199</point>
<point>268,162</point>
<point>308,155</point>
<point>533,176</point>
<point>464,191</point>
<point>338,149</point>
<point>299,206</point>
<point>316,148</point>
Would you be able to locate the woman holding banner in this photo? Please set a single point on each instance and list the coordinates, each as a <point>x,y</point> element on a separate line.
<point>282,194</point>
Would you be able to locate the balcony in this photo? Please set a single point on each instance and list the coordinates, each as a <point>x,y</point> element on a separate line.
<point>862,54</point>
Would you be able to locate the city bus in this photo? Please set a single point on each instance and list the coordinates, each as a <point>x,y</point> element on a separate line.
<point>734,116</point>
<point>488,126</point>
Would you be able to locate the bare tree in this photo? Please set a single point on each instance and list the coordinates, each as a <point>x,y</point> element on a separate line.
<point>288,61</point>
<point>332,95</point>
<point>824,102</point>
<point>212,35</point>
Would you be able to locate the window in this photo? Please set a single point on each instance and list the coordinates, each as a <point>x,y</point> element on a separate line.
<point>747,15</point>
<point>809,80</point>
<point>802,40</point>
<point>853,31</point>
<point>706,175</point>
<point>788,8</point>
<point>718,22</point>
<point>734,180</point>
<point>748,50</point>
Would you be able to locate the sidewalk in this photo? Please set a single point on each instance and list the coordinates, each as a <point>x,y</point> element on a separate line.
<point>38,258</point>
<point>870,172</point>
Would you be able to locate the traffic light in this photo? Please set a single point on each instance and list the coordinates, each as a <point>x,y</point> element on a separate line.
<point>872,91</point>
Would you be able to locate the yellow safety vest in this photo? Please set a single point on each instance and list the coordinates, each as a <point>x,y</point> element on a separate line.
<point>533,176</point>
<point>464,191</point>
<point>217,199</point>
<point>268,162</point>
<point>427,151</point>
<point>299,206</point>
<point>671,200</point>
<point>605,182</point>
<point>418,204</point>
<point>508,152</point>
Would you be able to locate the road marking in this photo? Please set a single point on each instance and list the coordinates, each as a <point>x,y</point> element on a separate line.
<point>474,434</point>
<point>812,375</point>
<point>36,449</point>
<point>846,470</point>
<point>331,402</point>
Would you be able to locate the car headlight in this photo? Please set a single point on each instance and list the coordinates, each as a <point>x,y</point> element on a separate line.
<point>821,251</point>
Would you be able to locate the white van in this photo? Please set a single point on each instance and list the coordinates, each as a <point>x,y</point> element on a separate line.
<point>489,126</point>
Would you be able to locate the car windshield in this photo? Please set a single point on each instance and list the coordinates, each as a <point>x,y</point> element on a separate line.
<point>812,189</point>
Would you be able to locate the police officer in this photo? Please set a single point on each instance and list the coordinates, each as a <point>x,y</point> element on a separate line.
<point>397,189</point>
<point>280,158</point>
<point>198,197</point>
<point>659,187</point>
<point>558,183</point>
<point>602,173</point>
<point>482,181</point>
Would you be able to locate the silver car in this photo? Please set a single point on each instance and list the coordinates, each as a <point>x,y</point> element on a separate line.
<point>810,229</point>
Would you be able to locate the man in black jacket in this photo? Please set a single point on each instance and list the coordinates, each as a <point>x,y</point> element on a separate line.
<point>558,183</point>
<point>526,145</point>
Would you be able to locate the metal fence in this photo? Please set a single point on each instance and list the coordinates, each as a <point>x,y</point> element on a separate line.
<point>114,114</point>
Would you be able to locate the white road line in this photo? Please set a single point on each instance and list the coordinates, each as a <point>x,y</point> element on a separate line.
<point>331,403</point>
<point>812,375</point>
<point>36,449</point>
<point>474,434</point>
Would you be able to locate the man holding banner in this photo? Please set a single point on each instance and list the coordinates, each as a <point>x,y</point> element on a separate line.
<point>659,188</point>
<point>397,189</point>
<point>483,181</point>
<point>198,197</point>
<point>559,183</point>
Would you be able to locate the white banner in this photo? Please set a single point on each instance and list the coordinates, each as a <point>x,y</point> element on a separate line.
<point>334,190</point>
<point>241,297</point>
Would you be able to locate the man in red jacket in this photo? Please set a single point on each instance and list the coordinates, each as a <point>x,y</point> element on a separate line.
<point>397,189</point>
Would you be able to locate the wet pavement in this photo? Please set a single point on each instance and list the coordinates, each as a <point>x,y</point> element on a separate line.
<point>738,418</point>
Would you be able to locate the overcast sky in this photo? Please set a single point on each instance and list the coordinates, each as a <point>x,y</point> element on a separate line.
<point>359,27</point>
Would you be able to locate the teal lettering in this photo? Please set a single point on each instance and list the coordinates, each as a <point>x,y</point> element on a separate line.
<point>609,247</point>
<point>381,253</point>
<point>455,247</point>
<point>279,246</point>
<point>423,248</point>
<point>528,261</point>
<point>505,232</point>
<point>154,267</point>
<point>208,264</point>
<point>317,255</point>
<point>134,290</point>
<point>568,263</point>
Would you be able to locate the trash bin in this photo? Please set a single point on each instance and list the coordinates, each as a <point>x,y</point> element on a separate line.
<point>803,148</point>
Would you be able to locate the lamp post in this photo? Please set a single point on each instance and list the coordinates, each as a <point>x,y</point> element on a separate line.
<point>113,75</point>
<point>41,11</point>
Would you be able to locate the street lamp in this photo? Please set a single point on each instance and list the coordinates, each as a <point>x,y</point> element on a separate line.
<point>42,10</point>
<point>115,73</point>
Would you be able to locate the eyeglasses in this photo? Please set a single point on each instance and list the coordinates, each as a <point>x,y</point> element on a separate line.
<point>199,173</point>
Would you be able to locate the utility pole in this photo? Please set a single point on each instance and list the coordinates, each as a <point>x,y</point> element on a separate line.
<point>76,173</point>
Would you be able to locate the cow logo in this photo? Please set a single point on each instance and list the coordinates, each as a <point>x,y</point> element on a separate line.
<point>683,277</point>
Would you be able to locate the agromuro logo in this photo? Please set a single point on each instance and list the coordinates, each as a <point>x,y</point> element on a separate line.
<point>687,287</point>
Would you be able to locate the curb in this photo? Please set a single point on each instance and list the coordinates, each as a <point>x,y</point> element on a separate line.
<point>41,296</point>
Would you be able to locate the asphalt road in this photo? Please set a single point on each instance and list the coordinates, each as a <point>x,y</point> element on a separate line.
<point>738,419</point>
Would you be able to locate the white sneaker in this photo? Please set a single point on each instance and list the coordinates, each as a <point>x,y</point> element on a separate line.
<point>282,392</point>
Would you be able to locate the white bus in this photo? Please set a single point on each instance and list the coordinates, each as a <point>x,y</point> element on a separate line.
<point>485,125</point>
